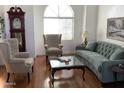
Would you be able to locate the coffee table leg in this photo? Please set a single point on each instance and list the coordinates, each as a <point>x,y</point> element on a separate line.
<point>52,77</point>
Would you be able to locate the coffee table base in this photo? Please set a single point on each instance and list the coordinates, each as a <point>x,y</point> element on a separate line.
<point>53,70</point>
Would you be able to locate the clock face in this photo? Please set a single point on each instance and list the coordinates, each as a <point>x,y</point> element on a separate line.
<point>16,23</point>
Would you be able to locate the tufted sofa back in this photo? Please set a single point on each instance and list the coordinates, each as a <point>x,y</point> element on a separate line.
<point>106,49</point>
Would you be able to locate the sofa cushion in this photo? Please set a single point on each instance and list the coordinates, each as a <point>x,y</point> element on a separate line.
<point>91,46</point>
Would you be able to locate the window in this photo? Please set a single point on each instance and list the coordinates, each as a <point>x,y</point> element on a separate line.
<point>59,20</point>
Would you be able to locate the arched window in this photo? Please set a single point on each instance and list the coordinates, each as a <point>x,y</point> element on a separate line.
<point>59,20</point>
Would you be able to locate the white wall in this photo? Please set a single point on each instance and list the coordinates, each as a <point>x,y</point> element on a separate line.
<point>104,13</point>
<point>29,29</point>
<point>38,29</point>
<point>91,22</point>
<point>69,46</point>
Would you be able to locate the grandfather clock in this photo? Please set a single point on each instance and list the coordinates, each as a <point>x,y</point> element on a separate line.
<point>17,26</point>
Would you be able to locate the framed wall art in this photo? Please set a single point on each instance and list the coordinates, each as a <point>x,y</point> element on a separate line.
<point>115,28</point>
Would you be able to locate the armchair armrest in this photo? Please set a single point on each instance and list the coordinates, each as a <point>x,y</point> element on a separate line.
<point>21,61</point>
<point>18,65</point>
<point>60,46</point>
<point>17,60</point>
<point>22,55</point>
<point>46,46</point>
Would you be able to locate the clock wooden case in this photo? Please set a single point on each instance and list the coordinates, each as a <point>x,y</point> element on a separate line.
<point>17,26</point>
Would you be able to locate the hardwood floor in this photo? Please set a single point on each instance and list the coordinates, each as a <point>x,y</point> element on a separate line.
<point>40,78</point>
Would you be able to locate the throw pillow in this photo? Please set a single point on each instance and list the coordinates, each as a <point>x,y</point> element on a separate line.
<point>91,46</point>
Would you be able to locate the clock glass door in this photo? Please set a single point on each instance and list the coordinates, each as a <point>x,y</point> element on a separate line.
<point>16,23</point>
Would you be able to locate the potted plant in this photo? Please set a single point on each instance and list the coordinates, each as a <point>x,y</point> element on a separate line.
<point>1,27</point>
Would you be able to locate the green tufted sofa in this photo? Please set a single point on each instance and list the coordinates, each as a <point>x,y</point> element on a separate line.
<point>100,57</point>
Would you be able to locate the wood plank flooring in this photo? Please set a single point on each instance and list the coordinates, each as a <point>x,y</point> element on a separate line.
<point>40,78</point>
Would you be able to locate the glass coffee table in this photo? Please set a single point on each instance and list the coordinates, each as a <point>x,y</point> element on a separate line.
<point>64,63</point>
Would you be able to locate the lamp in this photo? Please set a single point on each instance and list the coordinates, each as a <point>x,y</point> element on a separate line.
<point>84,38</point>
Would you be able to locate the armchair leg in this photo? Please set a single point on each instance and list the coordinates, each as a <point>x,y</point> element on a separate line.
<point>46,59</point>
<point>28,77</point>
<point>32,69</point>
<point>8,75</point>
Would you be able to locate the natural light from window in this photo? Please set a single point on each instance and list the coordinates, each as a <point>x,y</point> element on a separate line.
<point>59,20</point>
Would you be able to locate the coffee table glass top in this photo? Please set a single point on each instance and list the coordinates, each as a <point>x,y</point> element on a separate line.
<point>65,61</point>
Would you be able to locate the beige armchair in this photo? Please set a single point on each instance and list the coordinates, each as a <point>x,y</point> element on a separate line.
<point>14,47</point>
<point>52,44</point>
<point>15,65</point>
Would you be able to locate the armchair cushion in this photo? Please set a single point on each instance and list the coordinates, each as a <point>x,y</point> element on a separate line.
<point>53,50</point>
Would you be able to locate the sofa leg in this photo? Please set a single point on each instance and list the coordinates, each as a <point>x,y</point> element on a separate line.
<point>106,85</point>
<point>8,75</point>
<point>103,85</point>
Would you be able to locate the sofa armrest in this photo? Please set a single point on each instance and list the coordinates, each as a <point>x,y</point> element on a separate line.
<point>106,70</point>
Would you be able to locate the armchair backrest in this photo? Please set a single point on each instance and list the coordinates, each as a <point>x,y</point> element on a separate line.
<point>5,54</point>
<point>13,43</point>
<point>52,40</point>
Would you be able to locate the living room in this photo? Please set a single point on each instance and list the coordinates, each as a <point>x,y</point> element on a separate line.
<point>89,19</point>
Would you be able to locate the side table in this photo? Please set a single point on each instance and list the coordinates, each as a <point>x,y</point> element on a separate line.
<point>118,69</point>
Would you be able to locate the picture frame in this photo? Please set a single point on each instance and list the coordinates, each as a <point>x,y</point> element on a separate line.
<point>115,28</point>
